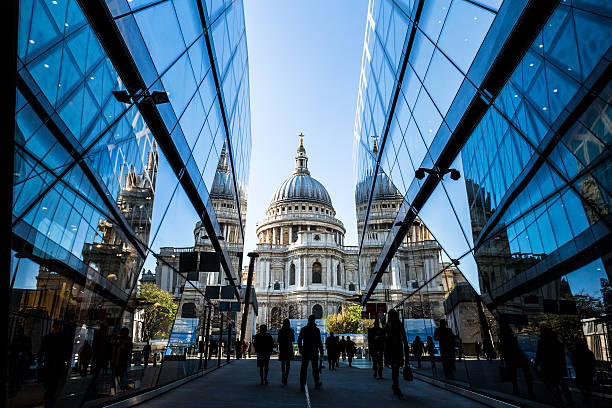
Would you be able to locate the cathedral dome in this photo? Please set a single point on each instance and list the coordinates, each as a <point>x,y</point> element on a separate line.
<point>301,186</point>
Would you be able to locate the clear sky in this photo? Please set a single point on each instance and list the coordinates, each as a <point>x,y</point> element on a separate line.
<point>304,61</point>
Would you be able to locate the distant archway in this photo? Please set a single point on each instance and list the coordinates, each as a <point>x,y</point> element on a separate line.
<point>317,311</point>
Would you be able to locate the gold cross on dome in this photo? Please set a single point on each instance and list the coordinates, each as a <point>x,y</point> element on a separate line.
<point>301,136</point>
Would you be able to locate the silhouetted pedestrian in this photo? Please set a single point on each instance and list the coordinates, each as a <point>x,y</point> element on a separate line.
<point>121,355</point>
<point>514,358</point>
<point>583,361</point>
<point>264,344</point>
<point>478,349</point>
<point>85,354</point>
<point>431,350</point>
<point>19,359</point>
<point>550,359</point>
<point>350,350</point>
<point>55,352</point>
<point>146,353</point>
<point>342,347</point>
<point>331,344</point>
<point>417,349</point>
<point>396,348</point>
<point>286,336</point>
<point>376,344</point>
<point>446,339</point>
<point>310,345</point>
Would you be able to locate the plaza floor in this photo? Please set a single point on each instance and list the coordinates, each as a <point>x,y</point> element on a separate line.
<point>237,385</point>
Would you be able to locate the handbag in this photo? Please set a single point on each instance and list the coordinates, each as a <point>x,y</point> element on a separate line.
<point>407,373</point>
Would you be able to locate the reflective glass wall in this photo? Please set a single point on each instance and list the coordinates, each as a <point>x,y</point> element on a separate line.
<point>515,96</point>
<point>106,175</point>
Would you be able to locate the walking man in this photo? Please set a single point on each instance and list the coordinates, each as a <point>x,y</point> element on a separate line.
<point>350,350</point>
<point>310,346</point>
<point>264,343</point>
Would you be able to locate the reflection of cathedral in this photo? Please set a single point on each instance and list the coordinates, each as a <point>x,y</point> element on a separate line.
<point>304,268</point>
<point>222,198</point>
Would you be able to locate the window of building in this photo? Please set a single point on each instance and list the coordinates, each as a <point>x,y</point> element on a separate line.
<point>292,274</point>
<point>317,311</point>
<point>338,275</point>
<point>316,273</point>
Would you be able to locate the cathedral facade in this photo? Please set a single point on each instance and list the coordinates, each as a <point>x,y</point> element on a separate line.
<point>304,266</point>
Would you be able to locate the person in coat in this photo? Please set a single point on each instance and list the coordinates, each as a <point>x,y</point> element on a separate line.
<point>350,350</point>
<point>286,336</point>
<point>331,344</point>
<point>342,347</point>
<point>446,339</point>
<point>264,344</point>
<point>396,348</point>
<point>376,344</point>
<point>310,345</point>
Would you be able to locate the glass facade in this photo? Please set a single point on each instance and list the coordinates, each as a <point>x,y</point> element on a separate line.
<point>515,95</point>
<point>126,114</point>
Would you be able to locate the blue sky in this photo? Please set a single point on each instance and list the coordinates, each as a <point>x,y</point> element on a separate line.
<point>304,61</point>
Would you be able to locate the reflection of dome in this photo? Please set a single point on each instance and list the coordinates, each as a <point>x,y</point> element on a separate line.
<point>301,186</point>
<point>383,190</point>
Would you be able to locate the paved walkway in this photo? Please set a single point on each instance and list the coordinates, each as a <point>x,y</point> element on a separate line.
<point>237,385</point>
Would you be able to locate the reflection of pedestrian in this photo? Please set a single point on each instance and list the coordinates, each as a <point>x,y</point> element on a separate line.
<point>583,361</point>
<point>286,336</point>
<point>55,352</point>
<point>431,350</point>
<point>101,349</point>
<point>146,352</point>
<point>417,349</point>
<point>85,354</point>
<point>376,344</point>
<point>446,340</point>
<point>121,354</point>
<point>263,346</point>
<point>310,345</point>
<point>19,359</point>
<point>514,358</point>
<point>396,347</point>
<point>550,359</point>
<point>350,350</point>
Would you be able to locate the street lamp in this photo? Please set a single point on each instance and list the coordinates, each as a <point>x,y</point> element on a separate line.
<point>157,97</point>
<point>420,173</point>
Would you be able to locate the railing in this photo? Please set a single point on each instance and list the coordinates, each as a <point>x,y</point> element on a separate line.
<point>272,247</point>
<point>283,217</point>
